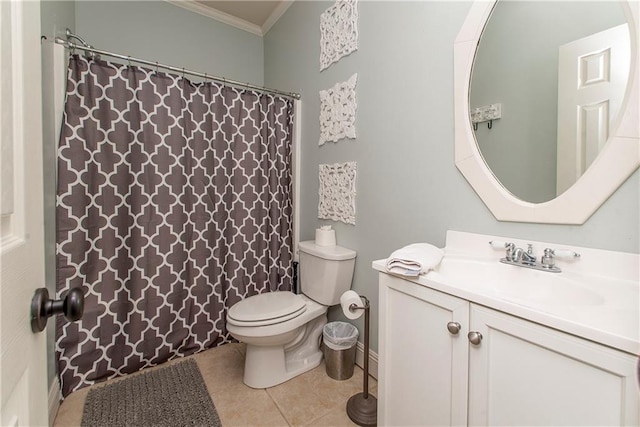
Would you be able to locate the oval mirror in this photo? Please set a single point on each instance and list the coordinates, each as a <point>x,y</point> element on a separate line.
<point>552,104</point>
<point>554,119</point>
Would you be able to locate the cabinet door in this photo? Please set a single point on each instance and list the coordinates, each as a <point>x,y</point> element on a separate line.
<point>422,367</point>
<point>523,373</point>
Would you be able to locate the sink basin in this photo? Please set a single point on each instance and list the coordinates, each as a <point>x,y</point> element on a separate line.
<point>594,297</point>
<point>517,284</point>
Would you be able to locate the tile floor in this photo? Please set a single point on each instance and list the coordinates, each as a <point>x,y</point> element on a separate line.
<point>310,399</point>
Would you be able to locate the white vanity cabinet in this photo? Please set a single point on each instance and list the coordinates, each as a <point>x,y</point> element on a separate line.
<point>519,373</point>
<point>422,367</point>
<point>523,373</point>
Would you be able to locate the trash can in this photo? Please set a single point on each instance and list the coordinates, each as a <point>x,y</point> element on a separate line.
<point>340,340</point>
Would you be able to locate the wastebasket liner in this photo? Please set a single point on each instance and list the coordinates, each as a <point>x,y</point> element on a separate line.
<point>340,335</point>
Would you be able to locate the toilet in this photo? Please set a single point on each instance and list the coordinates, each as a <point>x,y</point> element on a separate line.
<point>282,330</point>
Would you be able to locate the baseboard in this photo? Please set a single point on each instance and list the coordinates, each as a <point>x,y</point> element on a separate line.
<point>55,396</point>
<point>373,360</point>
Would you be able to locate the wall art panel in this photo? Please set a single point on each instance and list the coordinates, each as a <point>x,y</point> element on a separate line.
<point>338,32</point>
<point>338,111</point>
<point>337,192</point>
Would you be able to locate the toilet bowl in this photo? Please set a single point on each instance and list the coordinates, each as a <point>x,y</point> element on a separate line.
<point>280,348</point>
<point>282,330</point>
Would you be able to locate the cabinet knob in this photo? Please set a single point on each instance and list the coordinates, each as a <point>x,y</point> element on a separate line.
<point>453,327</point>
<point>474,337</point>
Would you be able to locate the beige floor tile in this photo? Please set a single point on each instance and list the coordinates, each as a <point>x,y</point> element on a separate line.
<point>336,417</point>
<point>310,396</point>
<point>221,367</point>
<point>242,348</point>
<point>240,405</point>
<point>70,412</point>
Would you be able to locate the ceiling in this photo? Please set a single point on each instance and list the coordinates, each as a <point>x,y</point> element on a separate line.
<point>256,17</point>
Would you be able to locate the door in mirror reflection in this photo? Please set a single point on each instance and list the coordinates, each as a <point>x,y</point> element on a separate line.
<point>518,65</point>
<point>592,78</point>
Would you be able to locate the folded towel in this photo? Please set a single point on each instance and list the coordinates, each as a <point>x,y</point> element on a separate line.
<point>414,259</point>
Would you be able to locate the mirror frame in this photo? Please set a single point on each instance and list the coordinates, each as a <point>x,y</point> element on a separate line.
<point>619,158</point>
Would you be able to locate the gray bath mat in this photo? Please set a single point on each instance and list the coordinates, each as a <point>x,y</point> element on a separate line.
<point>171,396</point>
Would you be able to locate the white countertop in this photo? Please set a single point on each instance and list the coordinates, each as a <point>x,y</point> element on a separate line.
<point>608,313</point>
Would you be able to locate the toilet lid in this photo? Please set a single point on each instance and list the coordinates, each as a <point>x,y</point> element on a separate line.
<point>267,308</point>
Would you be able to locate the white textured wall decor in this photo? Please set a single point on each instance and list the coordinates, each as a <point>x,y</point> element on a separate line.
<point>338,192</point>
<point>338,111</point>
<point>338,32</point>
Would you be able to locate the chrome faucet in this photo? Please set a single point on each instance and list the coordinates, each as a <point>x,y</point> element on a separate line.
<point>509,247</point>
<point>521,258</point>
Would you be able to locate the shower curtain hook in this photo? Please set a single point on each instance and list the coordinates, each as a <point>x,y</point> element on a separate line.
<point>490,124</point>
<point>206,78</point>
<point>475,126</point>
<point>157,67</point>
<point>129,60</point>
<point>183,72</point>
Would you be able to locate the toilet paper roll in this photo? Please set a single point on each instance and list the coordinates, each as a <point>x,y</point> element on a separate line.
<point>348,298</point>
<point>325,236</point>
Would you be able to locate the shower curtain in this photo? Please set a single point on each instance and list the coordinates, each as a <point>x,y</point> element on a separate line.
<point>174,202</point>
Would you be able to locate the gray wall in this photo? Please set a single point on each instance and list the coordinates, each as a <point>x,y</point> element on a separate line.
<point>55,18</point>
<point>160,31</point>
<point>408,189</point>
<point>521,72</point>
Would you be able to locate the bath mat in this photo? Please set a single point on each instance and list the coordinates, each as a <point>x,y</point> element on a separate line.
<point>171,396</point>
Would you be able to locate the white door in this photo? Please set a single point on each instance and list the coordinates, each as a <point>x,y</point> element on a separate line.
<point>23,377</point>
<point>592,80</point>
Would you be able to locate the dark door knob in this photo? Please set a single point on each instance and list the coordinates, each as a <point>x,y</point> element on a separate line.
<point>72,306</point>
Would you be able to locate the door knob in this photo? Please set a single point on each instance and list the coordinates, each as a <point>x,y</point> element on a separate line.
<point>474,337</point>
<point>454,327</point>
<point>72,306</point>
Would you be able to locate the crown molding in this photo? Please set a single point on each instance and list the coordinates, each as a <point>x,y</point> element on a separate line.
<point>275,15</point>
<point>218,16</point>
<point>225,18</point>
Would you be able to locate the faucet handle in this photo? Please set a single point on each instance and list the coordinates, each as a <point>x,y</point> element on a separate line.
<point>548,260</point>
<point>509,247</point>
<point>565,253</point>
<point>499,244</point>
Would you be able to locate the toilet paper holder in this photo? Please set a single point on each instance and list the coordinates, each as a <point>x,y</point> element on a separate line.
<point>353,306</point>
<point>361,407</point>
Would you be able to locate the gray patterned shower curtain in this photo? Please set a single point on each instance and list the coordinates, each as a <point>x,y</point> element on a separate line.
<point>174,202</point>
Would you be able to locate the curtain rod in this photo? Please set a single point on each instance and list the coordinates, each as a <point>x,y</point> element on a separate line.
<point>87,48</point>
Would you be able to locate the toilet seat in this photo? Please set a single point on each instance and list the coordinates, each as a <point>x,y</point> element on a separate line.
<point>266,309</point>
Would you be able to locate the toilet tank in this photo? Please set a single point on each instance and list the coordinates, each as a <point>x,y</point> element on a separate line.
<point>325,271</point>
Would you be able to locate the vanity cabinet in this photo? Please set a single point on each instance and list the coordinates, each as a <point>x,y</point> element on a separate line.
<point>422,367</point>
<point>518,373</point>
